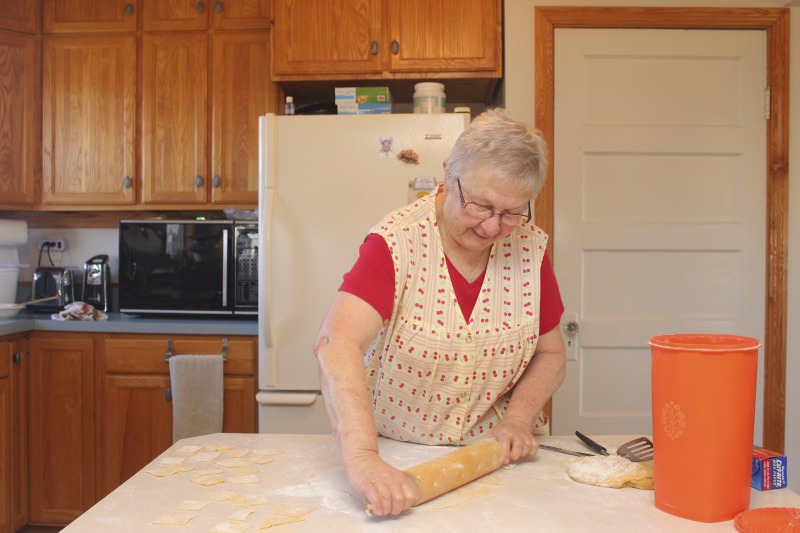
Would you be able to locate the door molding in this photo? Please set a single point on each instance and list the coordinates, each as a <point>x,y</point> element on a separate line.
<point>776,24</point>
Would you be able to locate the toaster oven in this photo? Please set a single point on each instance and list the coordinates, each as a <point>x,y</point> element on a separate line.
<point>54,281</point>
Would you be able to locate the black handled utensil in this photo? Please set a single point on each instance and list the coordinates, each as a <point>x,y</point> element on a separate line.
<point>595,447</point>
<point>562,450</point>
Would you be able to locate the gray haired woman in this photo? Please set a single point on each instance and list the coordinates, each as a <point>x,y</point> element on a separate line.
<point>445,330</point>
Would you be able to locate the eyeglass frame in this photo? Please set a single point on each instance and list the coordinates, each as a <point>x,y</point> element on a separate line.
<point>465,203</point>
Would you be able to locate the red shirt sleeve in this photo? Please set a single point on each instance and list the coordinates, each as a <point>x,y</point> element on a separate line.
<point>372,280</point>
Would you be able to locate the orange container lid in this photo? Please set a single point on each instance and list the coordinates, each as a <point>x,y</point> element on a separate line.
<point>769,520</point>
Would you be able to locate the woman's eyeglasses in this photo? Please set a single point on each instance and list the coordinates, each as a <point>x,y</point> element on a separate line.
<point>485,213</point>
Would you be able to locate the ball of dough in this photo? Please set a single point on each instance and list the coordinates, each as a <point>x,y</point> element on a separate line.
<point>611,471</point>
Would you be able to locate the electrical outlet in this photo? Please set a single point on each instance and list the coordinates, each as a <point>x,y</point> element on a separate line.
<point>53,245</point>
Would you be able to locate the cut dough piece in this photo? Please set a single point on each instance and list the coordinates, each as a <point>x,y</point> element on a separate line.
<point>189,449</point>
<point>221,496</point>
<point>611,471</point>
<point>279,520</point>
<point>295,510</point>
<point>261,459</point>
<point>190,505</point>
<point>207,481</point>
<point>174,519</point>
<point>230,527</point>
<point>163,471</point>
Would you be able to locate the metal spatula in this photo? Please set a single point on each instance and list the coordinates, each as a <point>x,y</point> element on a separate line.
<point>637,450</point>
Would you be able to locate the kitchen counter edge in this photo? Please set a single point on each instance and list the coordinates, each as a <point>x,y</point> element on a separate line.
<point>119,323</point>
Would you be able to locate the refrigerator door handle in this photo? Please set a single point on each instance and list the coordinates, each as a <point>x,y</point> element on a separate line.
<point>286,398</point>
<point>267,358</point>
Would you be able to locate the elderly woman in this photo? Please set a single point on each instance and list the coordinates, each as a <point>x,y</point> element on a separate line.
<point>445,330</point>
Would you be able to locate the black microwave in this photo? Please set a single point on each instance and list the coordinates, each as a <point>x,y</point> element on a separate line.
<point>188,268</point>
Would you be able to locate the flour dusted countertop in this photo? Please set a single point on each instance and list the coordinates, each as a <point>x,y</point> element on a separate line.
<point>120,323</point>
<point>299,479</point>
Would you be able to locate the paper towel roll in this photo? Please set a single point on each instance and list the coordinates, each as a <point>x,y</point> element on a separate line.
<point>13,233</point>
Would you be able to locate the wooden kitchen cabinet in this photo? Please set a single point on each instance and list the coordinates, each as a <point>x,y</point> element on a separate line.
<point>176,125</point>
<point>175,15</point>
<point>240,91</point>
<point>6,438</point>
<point>89,120</point>
<point>136,416</point>
<point>19,15</point>
<point>20,146</point>
<point>368,39</point>
<point>62,427</point>
<point>82,16</point>
<point>174,122</point>
<point>20,361</point>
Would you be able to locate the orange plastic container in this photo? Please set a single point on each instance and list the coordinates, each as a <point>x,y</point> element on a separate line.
<point>704,391</point>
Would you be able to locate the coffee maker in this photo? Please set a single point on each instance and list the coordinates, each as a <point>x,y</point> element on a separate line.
<point>96,279</point>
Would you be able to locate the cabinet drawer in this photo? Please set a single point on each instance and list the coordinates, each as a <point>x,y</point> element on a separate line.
<point>147,354</point>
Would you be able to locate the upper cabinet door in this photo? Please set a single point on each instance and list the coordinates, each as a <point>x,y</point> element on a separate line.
<point>19,131</point>
<point>19,15</point>
<point>88,119</point>
<point>445,35</point>
<point>70,16</point>
<point>240,14</point>
<point>176,14</point>
<point>240,91</point>
<point>327,36</point>
<point>174,117</point>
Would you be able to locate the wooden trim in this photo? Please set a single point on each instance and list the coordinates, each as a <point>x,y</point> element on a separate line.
<point>776,24</point>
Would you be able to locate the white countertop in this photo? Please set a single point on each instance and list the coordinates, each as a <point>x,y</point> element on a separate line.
<point>537,495</point>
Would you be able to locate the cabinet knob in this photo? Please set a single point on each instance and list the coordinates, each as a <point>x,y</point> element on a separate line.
<point>168,394</point>
<point>127,182</point>
<point>373,48</point>
<point>129,9</point>
<point>16,358</point>
<point>201,6</point>
<point>395,47</point>
<point>218,7</point>
<point>216,181</point>
<point>198,181</point>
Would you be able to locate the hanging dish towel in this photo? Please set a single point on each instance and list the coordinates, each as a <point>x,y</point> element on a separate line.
<point>197,393</point>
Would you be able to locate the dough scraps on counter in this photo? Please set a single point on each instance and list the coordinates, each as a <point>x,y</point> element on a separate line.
<point>611,471</point>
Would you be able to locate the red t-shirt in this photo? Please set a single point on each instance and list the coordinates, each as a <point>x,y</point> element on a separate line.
<point>372,280</point>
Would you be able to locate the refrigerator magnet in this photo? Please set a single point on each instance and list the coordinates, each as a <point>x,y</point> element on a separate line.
<point>386,147</point>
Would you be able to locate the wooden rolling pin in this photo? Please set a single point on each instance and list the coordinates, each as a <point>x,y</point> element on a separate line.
<point>450,471</point>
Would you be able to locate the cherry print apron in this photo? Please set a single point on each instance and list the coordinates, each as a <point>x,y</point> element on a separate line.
<point>436,377</point>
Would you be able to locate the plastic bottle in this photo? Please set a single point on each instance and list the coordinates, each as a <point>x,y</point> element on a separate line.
<point>429,97</point>
<point>288,108</point>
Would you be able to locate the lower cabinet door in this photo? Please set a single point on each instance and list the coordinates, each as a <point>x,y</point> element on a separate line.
<point>62,429</point>
<point>137,420</point>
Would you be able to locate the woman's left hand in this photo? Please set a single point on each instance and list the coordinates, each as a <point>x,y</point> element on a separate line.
<point>516,438</point>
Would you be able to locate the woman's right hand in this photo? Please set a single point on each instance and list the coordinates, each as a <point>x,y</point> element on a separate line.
<point>385,489</point>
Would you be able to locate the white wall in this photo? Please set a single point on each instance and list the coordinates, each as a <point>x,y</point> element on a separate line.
<point>518,97</point>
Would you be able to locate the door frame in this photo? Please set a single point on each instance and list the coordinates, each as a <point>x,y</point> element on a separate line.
<point>776,23</point>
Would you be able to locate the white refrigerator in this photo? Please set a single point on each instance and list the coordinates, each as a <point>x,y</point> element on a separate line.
<point>324,181</point>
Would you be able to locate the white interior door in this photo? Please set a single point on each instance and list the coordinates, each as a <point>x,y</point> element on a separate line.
<point>660,198</point>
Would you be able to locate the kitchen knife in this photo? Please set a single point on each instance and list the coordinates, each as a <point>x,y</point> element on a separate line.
<point>568,452</point>
<point>591,444</point>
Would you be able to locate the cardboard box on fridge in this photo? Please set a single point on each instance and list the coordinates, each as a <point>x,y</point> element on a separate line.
<point>362,95</point>
<point>769,469</point>
<point>363,109</point>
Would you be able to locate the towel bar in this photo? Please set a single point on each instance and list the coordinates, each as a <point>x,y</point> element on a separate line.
<point>224,350</point>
